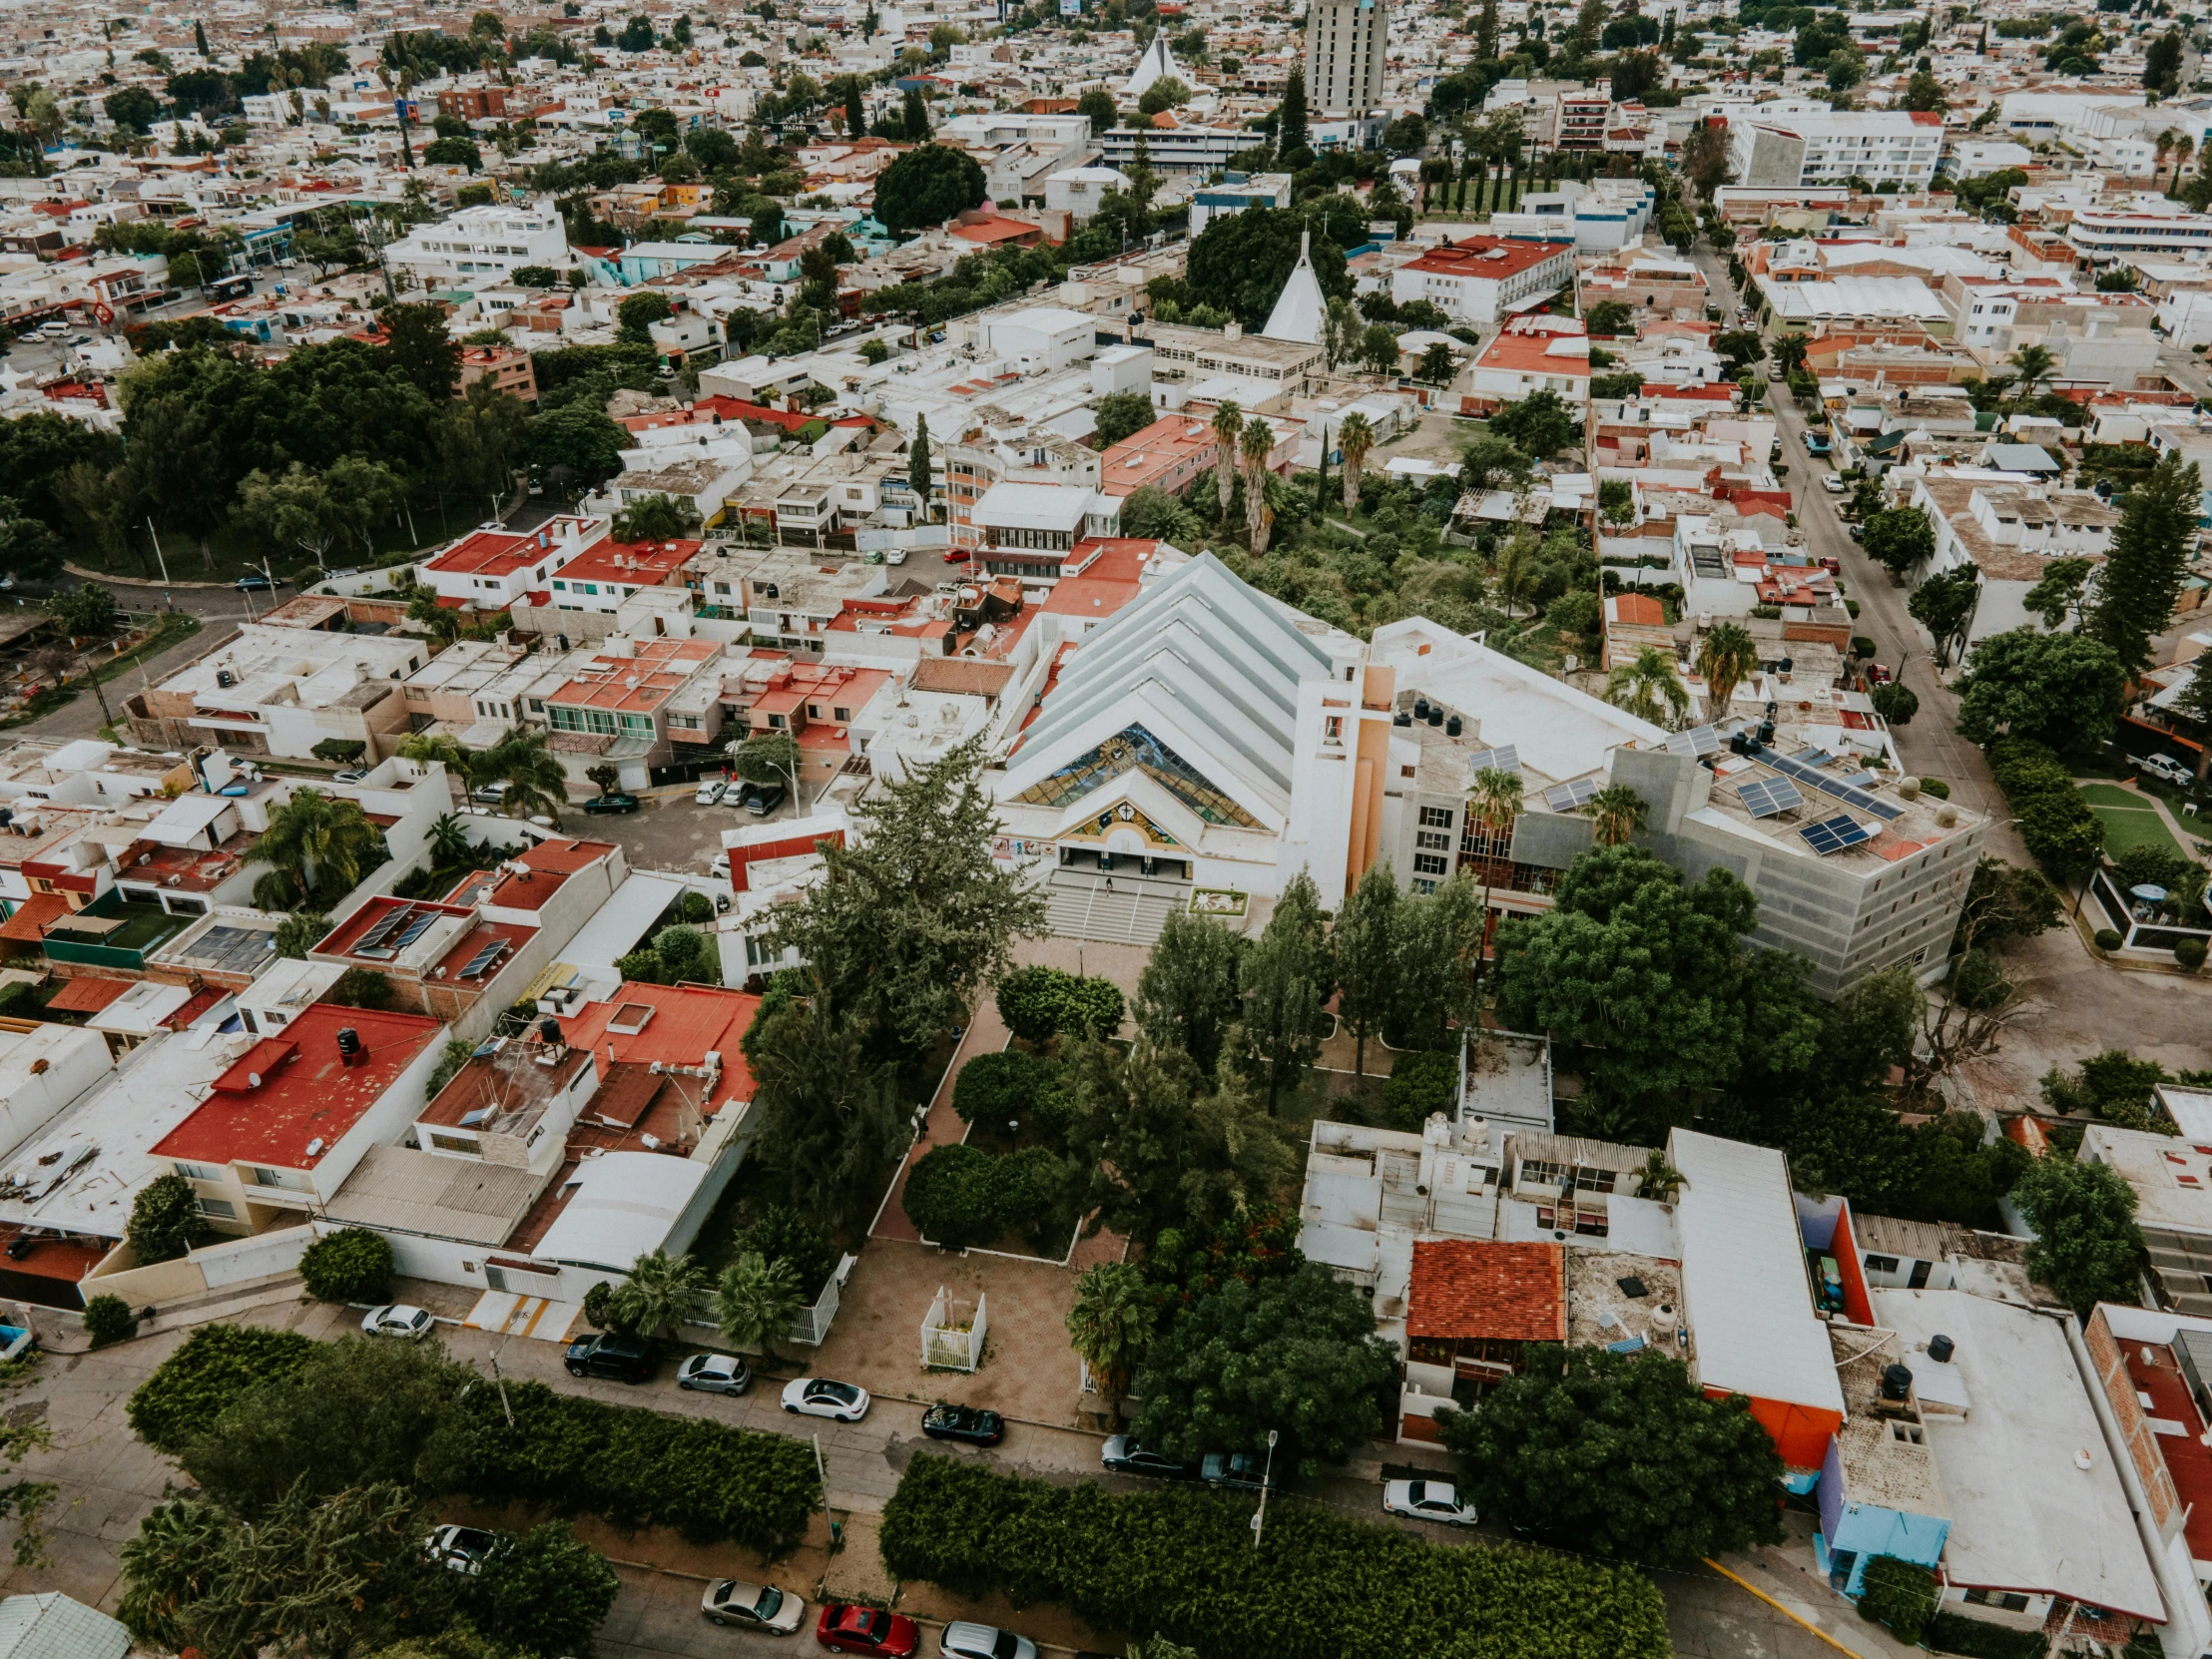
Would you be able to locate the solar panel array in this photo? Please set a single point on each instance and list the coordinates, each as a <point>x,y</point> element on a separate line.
<point>1849,794</point>
<point>481,962</point>
<point>385,926</point>
<point>1765,797</point>
<point>414,929</point>
<point>1833,834</point>
<point>1505,759</point>
<point>394,930</point>
<point>1698,741</point>
<point>1565,797</point>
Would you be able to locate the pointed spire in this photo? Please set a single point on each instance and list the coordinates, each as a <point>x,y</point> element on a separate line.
<point>1301,308</point>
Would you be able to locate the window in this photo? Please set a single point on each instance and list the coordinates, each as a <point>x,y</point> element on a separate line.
<point>2010,1601</point>
<point>1881,1264</point>
<point>463,1144</point>
<point>1428,864</point>
<point>198,1172</point>
<point>840,714</point>
<point>221,1208</point>
<point>1435,817</point>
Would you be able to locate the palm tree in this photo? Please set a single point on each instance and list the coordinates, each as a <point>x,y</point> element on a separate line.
<point>449,842</point>
<point>1726,658</point>
<point>1110,1325</point>
<point>756,1301</point>
<point>1620,812</point>
<point>1228,424</point>
<point>662,1292</point>
<point>2165,145</point>
<point>2035,364</point>
<point>1355,437</point>
<point>1495,802</point>
<point>1648,688</point>
<point>537,785</point>
<point>441,622</point>
<point>316,847</point>
<point>1257,442</point>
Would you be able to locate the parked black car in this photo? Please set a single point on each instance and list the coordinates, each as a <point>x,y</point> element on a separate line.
<point>1244,1470</point>
<point>1124,1455</point>
<point>624,1359</point>
<point>968,1424</point>
<point>760,799</point>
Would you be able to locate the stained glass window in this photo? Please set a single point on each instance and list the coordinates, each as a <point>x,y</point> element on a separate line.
<point>1135,748</point>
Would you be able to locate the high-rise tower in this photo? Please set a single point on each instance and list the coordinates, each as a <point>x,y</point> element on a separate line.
<point>1343,54</point>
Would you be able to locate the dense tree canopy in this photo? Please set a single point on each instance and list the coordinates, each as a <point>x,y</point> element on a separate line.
<point>1620,1456</point>
<point>2063,689</point>
<point>928,184</point>
<point>1239,263</point>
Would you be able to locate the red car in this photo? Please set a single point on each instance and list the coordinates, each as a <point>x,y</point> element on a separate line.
<point>870,1630</point>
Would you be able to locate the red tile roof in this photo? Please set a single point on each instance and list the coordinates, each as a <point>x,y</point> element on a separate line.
<point>1492,256</point>
<point>304,1093</point>
<point>87,996</point>
<point>1498,1292</point>
<point>688,1022</point>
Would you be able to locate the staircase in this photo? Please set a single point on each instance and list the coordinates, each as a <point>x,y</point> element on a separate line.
<point>1079,906</point>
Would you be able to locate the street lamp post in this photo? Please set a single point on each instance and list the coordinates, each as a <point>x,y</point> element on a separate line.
<point>1260,1515</point>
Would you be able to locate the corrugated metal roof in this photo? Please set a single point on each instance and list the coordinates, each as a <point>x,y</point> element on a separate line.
<point>52,1626</point>
<point>1743,1274</point>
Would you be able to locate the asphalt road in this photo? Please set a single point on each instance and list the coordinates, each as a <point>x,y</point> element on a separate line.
<point>1930,743</point>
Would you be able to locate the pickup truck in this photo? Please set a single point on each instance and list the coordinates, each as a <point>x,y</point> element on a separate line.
<point>1816,443</point>
<point>2164,768</point>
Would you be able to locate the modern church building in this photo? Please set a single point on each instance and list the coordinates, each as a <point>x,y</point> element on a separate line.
<point>1208,740</point>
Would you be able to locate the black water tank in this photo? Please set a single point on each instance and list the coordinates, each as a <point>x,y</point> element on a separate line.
<point>1454,727</point>
<point>1897,1383</point>
<point>1436,714</point>
<point>1420,707</point>
<point>549,1032</point>
<point>1940,1349</point>
<point>1401,717</point>
<point>1765,732</point>
<point>349,1043</point>
<point>1787,666</point>
<point>1737,742</point>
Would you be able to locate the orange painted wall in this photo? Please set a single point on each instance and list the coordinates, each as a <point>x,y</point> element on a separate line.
<point>1800,1432</point>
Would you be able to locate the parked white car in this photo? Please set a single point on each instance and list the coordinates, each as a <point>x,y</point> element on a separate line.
<point>817,1397</point>
<point>962,1640</point>
<point>462,1548</point>
<point>710,791</point>
<point>399,1319</point>
<point>1831,483</point>
<point>1432,1500</point>
<point>2164,768</point>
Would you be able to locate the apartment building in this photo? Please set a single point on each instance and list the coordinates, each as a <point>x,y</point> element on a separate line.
<point>480,245</point>
<point>2008,531</point>
<point>1483,280</point>
<point>1170,454</point>
<point>582,601</point>
<point>1346,45</point>
<point>279,692</point>
<point>2109,236</point>
<point>1894,146</point>
<point>615,707</point>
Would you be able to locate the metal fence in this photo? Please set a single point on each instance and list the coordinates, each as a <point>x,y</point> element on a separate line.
<point>812,1326</point>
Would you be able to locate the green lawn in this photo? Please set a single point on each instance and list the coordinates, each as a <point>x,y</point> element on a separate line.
<point>2128,820</point>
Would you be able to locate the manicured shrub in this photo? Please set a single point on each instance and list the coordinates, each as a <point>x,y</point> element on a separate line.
<point>992,1088</point>
<point>1979,1639</point>
<point>108,1318</point>
<point>1030,1002</point>
<point>952,1195</point>
<point>216,1362</point>
<point>1094,1007</point>
<point>1898,1594</point>
<point>2190,954</point>
<point>351,1265</point>
<point>708,1481</point>
<point>2108,939</point>
<point>1181,1564</point>
<point>1034,1199</point>
<point>1936,787</point>
<point>1418,1085</point>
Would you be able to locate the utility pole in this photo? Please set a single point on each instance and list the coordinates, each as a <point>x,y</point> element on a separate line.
<point>167,598</point>
<point>1260,1515</point>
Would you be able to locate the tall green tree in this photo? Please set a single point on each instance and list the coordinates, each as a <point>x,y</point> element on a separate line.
<point>1187,995</point>
<point>928,184</point>
<point>920,479</point>
<point>914,913</point>
<point>1366,943</point>
<point>1110,1325</point>
<point>320,1575</point>
<point>316,847</point>
<point>757,1300</point>
<point>543,1590</point>
<point>1295,1353</point>
<point>1900,540</point>
<point>1644,970</point>
<point>2087,1246</point>
<point>1437,967</point>
<point>2063,689</point>
<point>1286,980</point>
<point>831,1116</point>
<point>538,782</point>
<point>422,349</point>
<point>1290,130</point>
<point>1620,1456</point>
<point>2152,550</point>
<point>1944,604</point>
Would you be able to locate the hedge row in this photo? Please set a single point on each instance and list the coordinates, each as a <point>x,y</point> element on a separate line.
<point>573,1455</point>
<point>635,1468</point>
<point>1180,1563</point>
<point>2057,825</point>
<point>1980,1639</point>
<point>216,1365</point>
